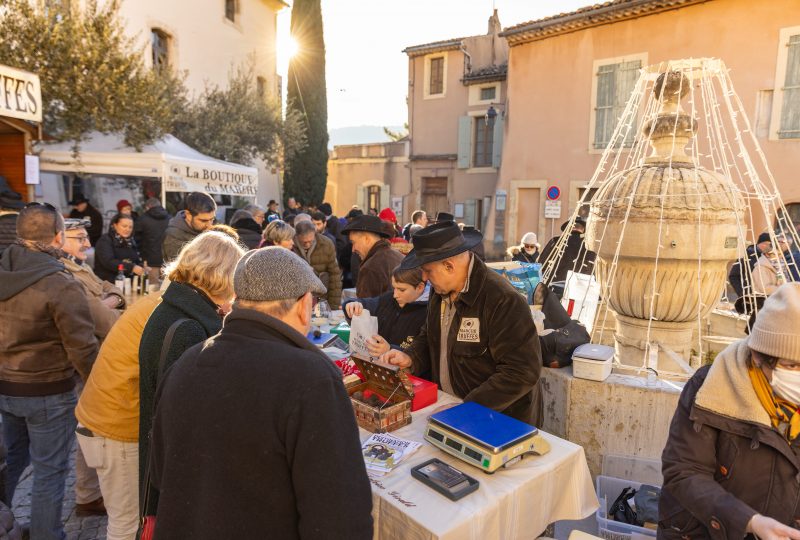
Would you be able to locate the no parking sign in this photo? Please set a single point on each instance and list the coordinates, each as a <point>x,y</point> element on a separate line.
<point>553,193</point>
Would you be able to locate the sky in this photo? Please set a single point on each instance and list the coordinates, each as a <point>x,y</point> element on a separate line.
<point>366,70</point>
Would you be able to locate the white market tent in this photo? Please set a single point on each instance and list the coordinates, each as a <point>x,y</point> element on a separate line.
<point>179,166</point>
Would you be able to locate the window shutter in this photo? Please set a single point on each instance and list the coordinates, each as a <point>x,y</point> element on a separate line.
<point>790,110</point>
<point>464,141</point>
<point>385,201</point>
<point>361,198</point>
<point>469,213</point>
<point>497,147</point>
<point>604,108</point>
<point>627,74</point>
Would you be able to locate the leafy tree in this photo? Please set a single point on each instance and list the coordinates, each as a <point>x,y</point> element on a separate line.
<point>307,171</point>
<point>93,77</point>
<point>237,124</point>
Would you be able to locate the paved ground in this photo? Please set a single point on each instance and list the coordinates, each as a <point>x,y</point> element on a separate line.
<point>77,528</point>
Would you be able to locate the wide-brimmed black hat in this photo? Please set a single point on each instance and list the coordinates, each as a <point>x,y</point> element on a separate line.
<point>444,217</point>
<point>370,224</point>
<point>438,242</point>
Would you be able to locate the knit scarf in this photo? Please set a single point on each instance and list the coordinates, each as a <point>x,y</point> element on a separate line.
<point>120,240</point>
<point>784,414</point>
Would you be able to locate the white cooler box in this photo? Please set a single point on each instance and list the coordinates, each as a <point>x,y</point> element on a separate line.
<point>593,362</point>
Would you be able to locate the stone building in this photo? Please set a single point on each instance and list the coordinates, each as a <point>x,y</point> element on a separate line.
<point>570,76</point>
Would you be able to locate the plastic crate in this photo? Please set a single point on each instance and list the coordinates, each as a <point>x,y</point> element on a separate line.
<point>608,489</point>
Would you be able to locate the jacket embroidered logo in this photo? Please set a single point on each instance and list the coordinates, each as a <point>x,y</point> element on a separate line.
<point>470,330</point>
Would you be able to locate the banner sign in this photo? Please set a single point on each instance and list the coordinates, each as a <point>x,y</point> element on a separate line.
<point>214,178</point>
<point>20,94</point>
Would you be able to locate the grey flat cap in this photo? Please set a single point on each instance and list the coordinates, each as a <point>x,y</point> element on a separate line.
<point>274,273</point>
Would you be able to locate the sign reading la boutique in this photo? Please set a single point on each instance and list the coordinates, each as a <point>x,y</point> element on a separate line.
<point>20,94</point>
<point>216,181</point>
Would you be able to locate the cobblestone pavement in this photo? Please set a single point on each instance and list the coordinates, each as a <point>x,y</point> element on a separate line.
<point>77,528</point>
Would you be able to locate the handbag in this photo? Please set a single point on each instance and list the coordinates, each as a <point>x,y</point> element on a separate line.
<point>148,522</point>
<point>621,511</point>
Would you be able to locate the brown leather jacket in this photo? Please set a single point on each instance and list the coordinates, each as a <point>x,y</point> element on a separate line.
<point>97,290</point>
<point>501,368</point>
<point>375,271</point>
<point>723,461</point>
<point>46,329</point>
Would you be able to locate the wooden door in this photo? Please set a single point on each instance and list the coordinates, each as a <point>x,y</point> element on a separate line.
<point>529,200</point>
<point>434,196</point>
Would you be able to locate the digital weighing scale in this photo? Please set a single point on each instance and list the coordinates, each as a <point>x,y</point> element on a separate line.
<point>482,437</point>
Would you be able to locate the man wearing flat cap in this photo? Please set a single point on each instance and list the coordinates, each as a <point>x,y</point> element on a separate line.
<point>279,454</point>
<point>378,258</point>
<point>479,341</point>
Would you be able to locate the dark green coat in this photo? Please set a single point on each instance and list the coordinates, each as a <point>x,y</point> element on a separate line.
<point>178,301</point>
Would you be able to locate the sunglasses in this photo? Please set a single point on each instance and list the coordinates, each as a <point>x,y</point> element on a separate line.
<point>45,205</point>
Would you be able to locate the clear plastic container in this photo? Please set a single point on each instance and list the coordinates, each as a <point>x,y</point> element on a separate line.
<point>608,489</point>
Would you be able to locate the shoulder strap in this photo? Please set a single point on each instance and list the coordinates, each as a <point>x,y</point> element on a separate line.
<point>162,360</point>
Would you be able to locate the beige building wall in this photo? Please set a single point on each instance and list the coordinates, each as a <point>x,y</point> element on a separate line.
<point>548,137</point>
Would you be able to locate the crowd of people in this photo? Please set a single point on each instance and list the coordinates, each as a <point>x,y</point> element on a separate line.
<point>142,382</point>
<point>161,392</point>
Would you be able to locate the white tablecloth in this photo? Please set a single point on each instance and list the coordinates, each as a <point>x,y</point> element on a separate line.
<point>515,503</point>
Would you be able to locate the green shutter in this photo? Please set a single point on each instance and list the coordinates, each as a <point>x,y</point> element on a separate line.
<point>464,141</point>
<point>790,109</point>
<point>615,84</point>
<point>469,213</point>
<point>497,146</point>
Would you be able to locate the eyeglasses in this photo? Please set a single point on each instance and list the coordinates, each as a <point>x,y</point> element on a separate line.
<point>530,246</point>
<point>81,239</point>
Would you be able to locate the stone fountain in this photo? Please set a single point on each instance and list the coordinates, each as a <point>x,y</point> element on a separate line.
<point>664,232</point>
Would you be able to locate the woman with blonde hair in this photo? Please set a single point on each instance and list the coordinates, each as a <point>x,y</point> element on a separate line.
<point>278,233</point>
<point>191,310</point>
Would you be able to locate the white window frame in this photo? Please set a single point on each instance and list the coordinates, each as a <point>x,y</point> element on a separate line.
<point>780,79</point>
<point>427,78</point>
<point>475,94</point>
<point>642,57</point>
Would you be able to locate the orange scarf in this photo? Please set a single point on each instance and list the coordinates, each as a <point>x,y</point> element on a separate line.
<point>783,414</point>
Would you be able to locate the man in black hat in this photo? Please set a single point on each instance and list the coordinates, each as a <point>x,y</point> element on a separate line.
<point>83,209</point>
<point>479,341</point>
<point>576,256</point>
<point>378,259</point>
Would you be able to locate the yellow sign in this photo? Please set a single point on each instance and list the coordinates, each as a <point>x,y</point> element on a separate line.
<point>20,94</point>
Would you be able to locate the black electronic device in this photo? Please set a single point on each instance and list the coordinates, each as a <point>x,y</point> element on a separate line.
<point>445,479</point>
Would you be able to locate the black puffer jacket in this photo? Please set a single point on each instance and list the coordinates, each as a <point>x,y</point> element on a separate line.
<point>397,325</point>
<point>149,234</point>
<point>8,229</point>
<point>109,253</point>
<point>576,257</point>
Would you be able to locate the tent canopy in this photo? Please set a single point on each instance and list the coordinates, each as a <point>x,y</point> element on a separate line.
<point>179,166</point>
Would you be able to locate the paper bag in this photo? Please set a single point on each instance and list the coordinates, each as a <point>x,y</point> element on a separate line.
<point>362,328</point>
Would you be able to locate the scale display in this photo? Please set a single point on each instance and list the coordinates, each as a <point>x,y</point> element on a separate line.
<point>483,437</point>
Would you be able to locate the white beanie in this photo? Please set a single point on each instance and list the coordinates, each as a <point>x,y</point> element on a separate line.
<point>530,238</point>
<point>776,331</point>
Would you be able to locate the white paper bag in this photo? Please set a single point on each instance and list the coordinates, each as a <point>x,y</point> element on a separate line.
<point>581,296</point>
<point>362,328</point>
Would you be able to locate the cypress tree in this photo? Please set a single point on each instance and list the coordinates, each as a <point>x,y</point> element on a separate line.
<point>307,170</point>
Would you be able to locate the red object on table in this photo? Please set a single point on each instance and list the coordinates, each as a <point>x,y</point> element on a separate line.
<point>425,393</point>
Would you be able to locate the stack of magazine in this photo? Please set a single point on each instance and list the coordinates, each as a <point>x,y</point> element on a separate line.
<point>383,452</point>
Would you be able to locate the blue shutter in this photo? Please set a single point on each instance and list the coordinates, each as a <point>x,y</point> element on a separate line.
<point>497,141</point>
<point>464,141</point>
<point>790,110</point>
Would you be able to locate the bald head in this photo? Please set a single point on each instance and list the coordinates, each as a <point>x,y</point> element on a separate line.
<point>42,224</point>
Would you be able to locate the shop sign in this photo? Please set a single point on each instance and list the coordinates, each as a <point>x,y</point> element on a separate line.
<point>213,179</point>
<point>552,209</point>
<point>20,94</point>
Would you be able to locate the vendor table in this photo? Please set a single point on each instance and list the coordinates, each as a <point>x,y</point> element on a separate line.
<point>514,503</point>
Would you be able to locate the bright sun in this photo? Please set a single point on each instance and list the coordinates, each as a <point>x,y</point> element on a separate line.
<point>290,48</point>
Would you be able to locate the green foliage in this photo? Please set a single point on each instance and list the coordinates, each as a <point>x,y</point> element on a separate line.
<point>236,124</point>
<point>307,171</point>
<point>93,78</point>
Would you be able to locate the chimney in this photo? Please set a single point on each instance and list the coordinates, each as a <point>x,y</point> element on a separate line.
<point>494,24</point>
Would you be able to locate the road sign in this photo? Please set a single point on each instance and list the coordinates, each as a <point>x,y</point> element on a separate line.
<point>553,193</point>
<point>552,209</point>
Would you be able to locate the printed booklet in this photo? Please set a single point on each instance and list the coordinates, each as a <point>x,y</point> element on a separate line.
<point>383,452</point>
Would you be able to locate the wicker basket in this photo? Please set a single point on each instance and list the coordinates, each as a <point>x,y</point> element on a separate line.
<point>389,382</point>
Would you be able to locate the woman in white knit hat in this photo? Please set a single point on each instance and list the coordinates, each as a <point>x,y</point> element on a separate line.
<point>527,251</point>
<point>732,461</point>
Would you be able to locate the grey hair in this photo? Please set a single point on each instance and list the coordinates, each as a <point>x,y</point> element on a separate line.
<point>278,231</point>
